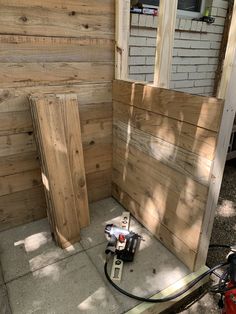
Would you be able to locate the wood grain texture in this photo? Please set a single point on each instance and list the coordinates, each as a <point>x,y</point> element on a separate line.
<point>189,164</point>
<point>175,201</point>
<point>15,122</point>
<point>58,20</point>
<point>31,49</point>
<point>16,143</point>
<point>99,185</point>
<point>187,136</point>
<point>18,163</point>
<point>20,208</point>
<point>164,235</point>
<point>27,74</point>
<point>20,181</point>
<point>202,111</point>
<point>61,149</point>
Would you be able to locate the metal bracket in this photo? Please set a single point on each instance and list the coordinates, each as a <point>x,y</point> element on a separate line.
<point>117,266</point>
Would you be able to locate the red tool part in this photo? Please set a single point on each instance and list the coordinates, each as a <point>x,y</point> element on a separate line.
<point>230,300</point>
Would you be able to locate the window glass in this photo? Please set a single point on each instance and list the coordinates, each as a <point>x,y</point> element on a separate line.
<point>186,5</point>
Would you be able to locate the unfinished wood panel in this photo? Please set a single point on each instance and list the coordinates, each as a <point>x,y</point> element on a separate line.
<point>191,165</point>
<point>150,222</point>
<point>27,74</point>
<point>11,102</point>
<point>99,185</point>
<point>18,163</point>
<point>163,151</point>
<point>56,119</point>
<point>194,139</point>
<point>40,19</point>
<point>20,181</point>
<point>22,207</point>
<point>15,122</point>
<point>30,49</point>
<point>164,45</point>
<point>17,143</point>
<point>201,111</point>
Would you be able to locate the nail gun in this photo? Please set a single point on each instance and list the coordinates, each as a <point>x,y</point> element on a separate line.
<point>115,234</point>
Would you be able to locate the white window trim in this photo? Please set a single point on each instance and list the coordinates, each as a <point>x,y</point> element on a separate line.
<point>187,14</point>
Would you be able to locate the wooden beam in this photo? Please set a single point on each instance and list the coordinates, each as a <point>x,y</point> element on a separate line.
<point>227,89</point>
<point>229,56</point>
<point>122,38</point>
<point>165,37</point>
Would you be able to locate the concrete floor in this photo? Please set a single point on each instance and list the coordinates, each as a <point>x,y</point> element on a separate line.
<point>39,277</point>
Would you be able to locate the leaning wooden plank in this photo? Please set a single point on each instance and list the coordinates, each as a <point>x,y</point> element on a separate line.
<point>17,143</point>
<point>22,207</point>
<point>15,48</point>
<point>187,136</point>
<point>15,122</point>
<point>58,118</point>
<point>20,181</point>
<point>56,21</point>
<point>181,250</point>
<point>202,111</point>
<point>18,163</point>
<point>189,164</point>
<point>28,74</point>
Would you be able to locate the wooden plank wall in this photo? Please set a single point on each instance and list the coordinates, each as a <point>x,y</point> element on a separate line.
<point>54,46</point>
<point>163,147</point>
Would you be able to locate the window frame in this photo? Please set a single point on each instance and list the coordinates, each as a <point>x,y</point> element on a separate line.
<point>183,13</point>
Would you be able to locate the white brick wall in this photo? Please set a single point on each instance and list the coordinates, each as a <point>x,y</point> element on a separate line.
<point>195,53</point>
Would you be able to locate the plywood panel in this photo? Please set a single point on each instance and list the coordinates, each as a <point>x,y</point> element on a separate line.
<point>189,164</point>
<point>31,49</point>
<point>198,110</point>
<point>20,208</point>
<point>56,20</point>
<point>151,223</point>
<point>27,74</point>
<point>187,136</point>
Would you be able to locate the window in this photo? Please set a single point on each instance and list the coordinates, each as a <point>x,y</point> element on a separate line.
<point>185,7</point>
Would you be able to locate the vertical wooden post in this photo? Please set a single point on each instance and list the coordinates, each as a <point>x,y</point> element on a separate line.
<point>227,91</point>
<point>229,55</point>
<point>122,38</point>
<point>165,37</point>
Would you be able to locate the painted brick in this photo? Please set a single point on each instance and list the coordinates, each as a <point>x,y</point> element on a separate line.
<point>219,21</point>
<point>142,20</point>
<point>213,60</point>
<point>179,76</point>
<point>220,4</point>
<point>191,36</point>
<point>193,90</point>
<point>135,77</point>
<point>216,29</point>
<point>149,20</point>
<point>137,41</point>
<point>141,69</point>
<point>144,51</point>
<point>210,75</point>
<point>179,84</point>
<point>215,45</point>
<point>197,76</point>
<point>155,22</point>
<point>199,26</point>
<point>208,89</point>
<point>198,83</point>
<point>177,35</point>
<point>189,61</point>
<point>150,60</point>
<point>196,52</point>
<point>221,12</point>
<point>151,42</point>
<point>136,60</point>
<point>199,44</point>
<point>206,68</point>
<point>186,68</point>
<point>134,19</point>
<point>182,23</point>
<point>150,77</point>
<point>211,37</point>
<point>194,26</point>
<point>177,23</point>
<point>173,68</point>
<point>204,27</point>
<point>143,32</point>
<point>181,44</point>
<point>214,11</point>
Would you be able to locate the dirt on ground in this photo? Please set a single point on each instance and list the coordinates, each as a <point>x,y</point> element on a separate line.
<point>223,233</point>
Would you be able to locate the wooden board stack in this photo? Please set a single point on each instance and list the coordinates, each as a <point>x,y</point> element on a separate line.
<point>163,147</point>
<point>57,128</point>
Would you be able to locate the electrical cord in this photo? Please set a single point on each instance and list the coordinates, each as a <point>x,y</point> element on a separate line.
<point>174,296</point>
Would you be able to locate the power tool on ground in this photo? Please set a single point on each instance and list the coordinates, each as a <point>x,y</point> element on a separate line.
<point>115,234</point>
